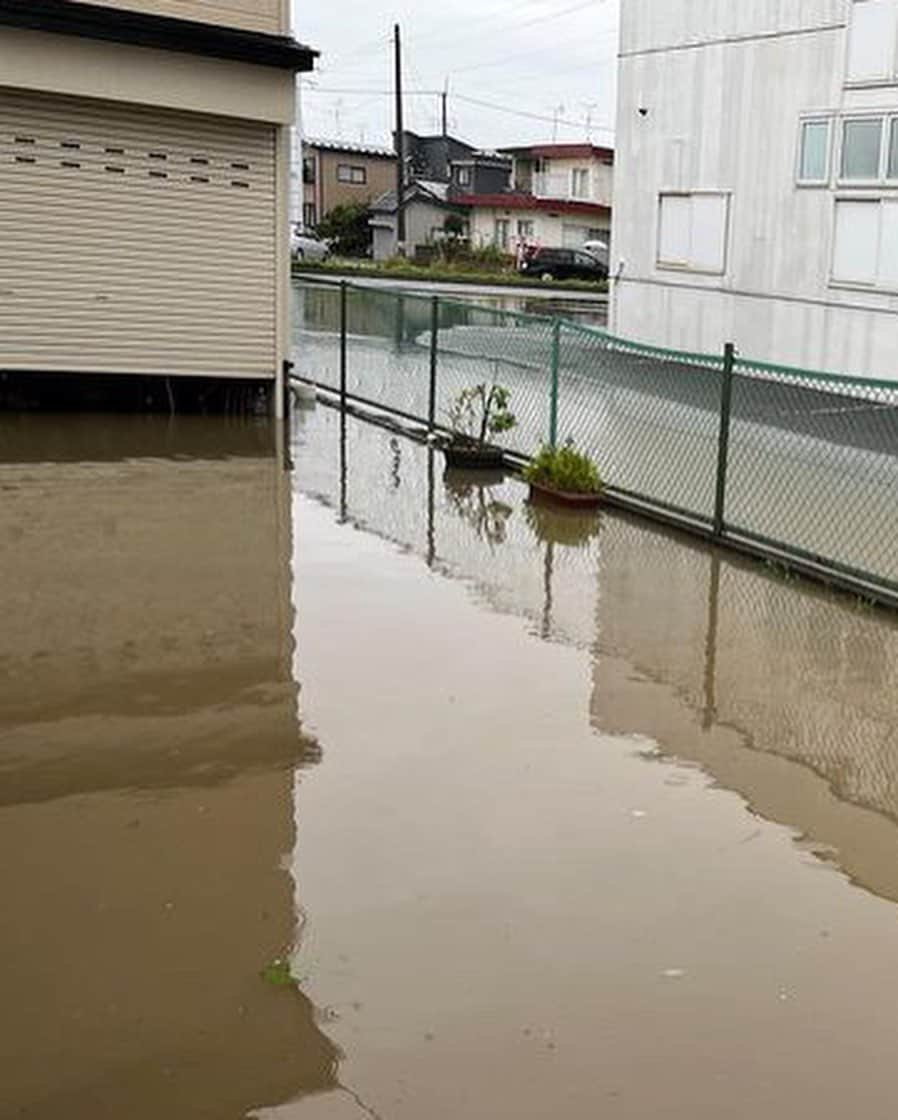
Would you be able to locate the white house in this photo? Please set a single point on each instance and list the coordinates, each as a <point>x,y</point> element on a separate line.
<point>561,198</point>
<point>756,196</point>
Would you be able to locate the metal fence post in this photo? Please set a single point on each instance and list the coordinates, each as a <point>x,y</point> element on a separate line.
<point>723,443</point>
<point>434,351</point>
<point>553,398</point>
<point>344,290</point>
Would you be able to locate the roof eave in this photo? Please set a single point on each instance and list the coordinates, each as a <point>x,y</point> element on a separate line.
<point>114,25</point>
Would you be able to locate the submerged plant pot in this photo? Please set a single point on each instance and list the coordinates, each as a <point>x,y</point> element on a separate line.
<point>539,492</point>
<point>473,457</point>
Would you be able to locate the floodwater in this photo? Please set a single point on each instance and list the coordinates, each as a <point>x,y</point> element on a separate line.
<point>552,815</point>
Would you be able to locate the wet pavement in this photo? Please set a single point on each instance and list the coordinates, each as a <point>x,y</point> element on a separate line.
<point>553,815</point>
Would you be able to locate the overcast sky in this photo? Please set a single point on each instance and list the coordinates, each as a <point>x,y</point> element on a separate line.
<point>554,59</point>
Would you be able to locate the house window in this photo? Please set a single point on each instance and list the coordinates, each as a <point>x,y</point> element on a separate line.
<point>500,236</point>
<point>309,215</point>
<point>308,169</point>
<point>348,173</point>
<point>463,176</point>
<point>580,182</point>
<point>813,158</point>
<point>861,149</point>
<point>865,247</point>
<point>871,51</point>
<point>525,230</point>
<point>692,231</point>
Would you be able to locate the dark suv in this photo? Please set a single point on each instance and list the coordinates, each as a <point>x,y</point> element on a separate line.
<point>564,264</point>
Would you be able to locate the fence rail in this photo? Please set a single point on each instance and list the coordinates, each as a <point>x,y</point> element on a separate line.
<point>797,467</point>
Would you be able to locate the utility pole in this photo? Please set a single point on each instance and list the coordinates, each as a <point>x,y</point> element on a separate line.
<point>444,97</point>
<point>400,148</point>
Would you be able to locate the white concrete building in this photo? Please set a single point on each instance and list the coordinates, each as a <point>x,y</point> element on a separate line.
<point>145,181</point>
<point>756,196</point>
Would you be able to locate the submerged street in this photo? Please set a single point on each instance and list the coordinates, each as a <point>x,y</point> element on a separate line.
<point>551,815</point>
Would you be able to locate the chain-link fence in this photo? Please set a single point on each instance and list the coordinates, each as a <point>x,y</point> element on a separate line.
<point>796,466</point>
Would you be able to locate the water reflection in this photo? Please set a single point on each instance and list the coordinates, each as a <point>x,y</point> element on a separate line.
<point>782,692</point>
<point>148,745</point>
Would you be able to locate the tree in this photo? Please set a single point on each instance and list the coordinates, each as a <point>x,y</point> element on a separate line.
<point>347,228</point>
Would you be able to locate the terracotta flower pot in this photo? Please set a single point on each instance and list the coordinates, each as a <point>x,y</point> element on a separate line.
<point>539,492</point>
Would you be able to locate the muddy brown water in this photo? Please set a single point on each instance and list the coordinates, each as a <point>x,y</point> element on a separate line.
<point>552,815</point>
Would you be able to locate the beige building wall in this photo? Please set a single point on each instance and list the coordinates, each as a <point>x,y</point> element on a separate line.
<point>271,16</point>
<point>231,91</point>
<point>328,191</point>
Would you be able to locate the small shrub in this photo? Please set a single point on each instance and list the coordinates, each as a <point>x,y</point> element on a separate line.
<point>565,468</point>
<point>481,411</point>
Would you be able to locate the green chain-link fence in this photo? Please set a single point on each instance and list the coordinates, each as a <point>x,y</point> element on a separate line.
<point>792,465</point>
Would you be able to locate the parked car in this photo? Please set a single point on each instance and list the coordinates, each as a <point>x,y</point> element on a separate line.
<point>307,247</point>
<point>564,264</point>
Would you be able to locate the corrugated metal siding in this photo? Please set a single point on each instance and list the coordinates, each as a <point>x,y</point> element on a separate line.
<point>248,15</point>
<point>135,240</point>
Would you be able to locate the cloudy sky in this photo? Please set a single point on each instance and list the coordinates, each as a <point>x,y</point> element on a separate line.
<point>518,71</point>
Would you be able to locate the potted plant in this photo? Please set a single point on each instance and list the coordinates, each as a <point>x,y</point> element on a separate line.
<point>566,476</point>
<point>478,412</point>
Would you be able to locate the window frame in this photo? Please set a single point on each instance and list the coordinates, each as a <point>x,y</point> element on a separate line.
<point>857,118</point>
<point>889,76</point>
<point>827,119</point>
<point>879,201</point>
<point>506,223</point>
<point>687,266</point>
<point>464,176</point>
<point>584,173</point>
<point>888,119</point>
<point>356,174</point>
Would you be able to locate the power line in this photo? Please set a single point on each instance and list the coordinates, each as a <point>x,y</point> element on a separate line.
<point>531,116</point>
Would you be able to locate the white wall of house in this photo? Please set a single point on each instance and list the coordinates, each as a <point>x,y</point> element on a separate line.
<point>537,227</point>
<point>584,180</point>
<point>719,233</point>
<point>423,225</point>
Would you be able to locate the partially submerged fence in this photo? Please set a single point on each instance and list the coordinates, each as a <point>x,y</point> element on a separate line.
<point>796,467</point>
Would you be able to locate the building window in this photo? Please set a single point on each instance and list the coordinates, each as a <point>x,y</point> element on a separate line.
<point>871,52</point>
<point>525,230</point>
<point>580,182</point>
<point>693,231</point>
<point>813,157</point>
<point>348,173</point>
<point>500,235</point>
<point>308,169</point>
<point>463,176</point>
<point>865,247</point>
<point>309,215</point>
<point>861,149</point>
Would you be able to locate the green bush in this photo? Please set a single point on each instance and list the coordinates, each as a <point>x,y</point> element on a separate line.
<point>565,468</point>
<point>347,228</point>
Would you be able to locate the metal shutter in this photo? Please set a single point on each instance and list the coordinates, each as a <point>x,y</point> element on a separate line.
<point>135,240</point>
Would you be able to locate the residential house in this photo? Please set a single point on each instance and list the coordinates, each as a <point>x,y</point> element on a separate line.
<point>480,173</point>
<point>431,157</point>
<point>757,194</point>
<point>427,205</point>
<point>335,173</point>
<point>144,172</point>
<point>558,196</point>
